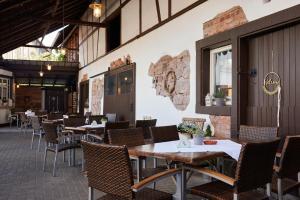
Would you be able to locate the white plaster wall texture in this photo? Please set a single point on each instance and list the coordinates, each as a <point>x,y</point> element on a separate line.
<point>172,38</point>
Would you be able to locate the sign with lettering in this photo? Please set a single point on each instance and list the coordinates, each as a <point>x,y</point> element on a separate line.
<point>271,83</point>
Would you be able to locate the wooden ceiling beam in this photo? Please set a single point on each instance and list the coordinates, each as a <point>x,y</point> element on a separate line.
<point>47,47</point>
<point>70,21</point>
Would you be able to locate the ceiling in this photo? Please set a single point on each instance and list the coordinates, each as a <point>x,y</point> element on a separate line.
<point>23,21</point>
<point>27,72</point>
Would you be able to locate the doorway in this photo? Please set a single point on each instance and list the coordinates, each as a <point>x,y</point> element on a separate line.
<point>276,51</point>
<point>119,93</point>
<point>84,96</point>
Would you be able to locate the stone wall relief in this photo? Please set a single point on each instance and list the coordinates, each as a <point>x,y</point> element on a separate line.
<point>171,78</point>
<point>97,95</point>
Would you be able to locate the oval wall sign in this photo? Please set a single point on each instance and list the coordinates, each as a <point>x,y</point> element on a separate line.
<point>271,83</point>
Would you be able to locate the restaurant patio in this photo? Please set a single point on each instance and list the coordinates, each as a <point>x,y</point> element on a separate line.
<point>149,99</point>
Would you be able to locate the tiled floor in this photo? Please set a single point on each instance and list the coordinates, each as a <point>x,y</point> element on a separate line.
<point>22,178</point>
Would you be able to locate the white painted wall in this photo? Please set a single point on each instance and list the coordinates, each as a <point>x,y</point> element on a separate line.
<point>172,38</point>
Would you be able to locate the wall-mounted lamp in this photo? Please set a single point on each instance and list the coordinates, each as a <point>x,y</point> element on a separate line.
<point>97,8</point>
<point>49,67</point>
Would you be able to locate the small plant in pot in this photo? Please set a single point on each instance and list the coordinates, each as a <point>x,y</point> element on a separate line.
<point>103,120</point>
<point>208,132</point>
<point>184,132</point>
<point>219,98</point>
<point>198,136</point>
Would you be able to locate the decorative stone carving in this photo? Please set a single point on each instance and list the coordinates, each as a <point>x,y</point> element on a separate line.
<point>224,21</point>
<point>221,125</point>
<point>171,78</point>
<point>97,95</point>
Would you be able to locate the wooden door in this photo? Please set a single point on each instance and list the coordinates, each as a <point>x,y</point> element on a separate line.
<point>84,96</point>
<point>261,109</point>
<point>119,94</point>
<point>55,100</point>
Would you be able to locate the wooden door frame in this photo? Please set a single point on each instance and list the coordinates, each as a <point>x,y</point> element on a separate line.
<point>238,38</point>
<point>131,66</point>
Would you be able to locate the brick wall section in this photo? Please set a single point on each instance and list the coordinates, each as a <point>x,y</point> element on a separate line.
<point>221,125</point>
<point>224,21</point>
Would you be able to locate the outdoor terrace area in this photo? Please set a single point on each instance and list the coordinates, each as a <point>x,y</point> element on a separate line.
<point>149,99</point>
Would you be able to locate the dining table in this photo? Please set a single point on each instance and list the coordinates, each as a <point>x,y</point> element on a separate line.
<point>190,156</point>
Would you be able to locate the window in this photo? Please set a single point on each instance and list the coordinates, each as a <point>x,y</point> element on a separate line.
<point>221,71</point>
<point>113,33</point>
<point>4,89</point>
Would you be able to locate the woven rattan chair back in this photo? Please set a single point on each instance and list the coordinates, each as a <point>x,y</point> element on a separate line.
<point>199,122</point>
<point>35,122</point>
<point>108,169</point>
<point>53,116</point>
<point>50,130</point>
<point>164,133</point>
<point>255,133</point>
<point>289,164</point>
<point>114,125</point>
<point>111,117</point>
<point>23,117</point>
<point>96,118</point>
<point>74,121</point>
<point>145,125</point>
<point>129,137</point>
<point>255,165</point>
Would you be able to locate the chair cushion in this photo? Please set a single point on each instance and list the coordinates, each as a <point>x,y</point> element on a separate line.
<point>144,194</point>
<point>218,190</point>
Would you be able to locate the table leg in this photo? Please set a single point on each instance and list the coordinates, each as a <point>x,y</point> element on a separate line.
<point>139,169</point>
<point>180,185</point>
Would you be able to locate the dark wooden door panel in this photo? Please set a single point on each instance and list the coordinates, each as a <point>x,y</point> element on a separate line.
<point>284,44</point>
<point>119,96</point>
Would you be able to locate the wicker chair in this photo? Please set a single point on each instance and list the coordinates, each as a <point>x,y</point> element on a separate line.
<point>109,170</point>
<point>37,130</point>
<point>164,133</point>
<point>254,170</point>
<point>25,122</point>
<point>146,124</point>
<point>199,122</point>
<point>131,137</point>
<point>111,117</point>
<point>53,116</point>
<point>55,143</point>
<point>257,133</point>
<point>114,125</point>
<point>288,166</point>
<point>74,121</point>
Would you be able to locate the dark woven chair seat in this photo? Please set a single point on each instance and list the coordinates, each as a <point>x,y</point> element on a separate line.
<point>146,194</point>
<point>218,190</point>
<point>287,185</point>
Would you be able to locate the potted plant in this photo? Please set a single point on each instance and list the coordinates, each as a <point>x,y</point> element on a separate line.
<point>103,120</point>
<point>219,98</point>
<point>198,136</point>
<point>183,130</point>
<point>208,132</point>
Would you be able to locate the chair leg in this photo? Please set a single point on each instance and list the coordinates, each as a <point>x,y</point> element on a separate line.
<point>32,138</point>
<point>70,156</point>
<point>279,188</point>
<point>45,157</point>
<point>54,163</point>
<point>39,144</point>
<point>235,196</point>
<point>91,193</point>
<point>269,189</point>
<point>64,156</point>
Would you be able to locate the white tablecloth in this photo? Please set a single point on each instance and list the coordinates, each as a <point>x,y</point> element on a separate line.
<point>229,147</point>
<point>94,126</point>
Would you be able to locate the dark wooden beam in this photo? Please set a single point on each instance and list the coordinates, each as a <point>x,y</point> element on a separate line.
<point>158,11</point>
<point>47,47</point>
<point>169,8</point>
<point>70,21</point>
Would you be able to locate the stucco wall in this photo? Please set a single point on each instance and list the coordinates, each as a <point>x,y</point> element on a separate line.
<point>172,38</point>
